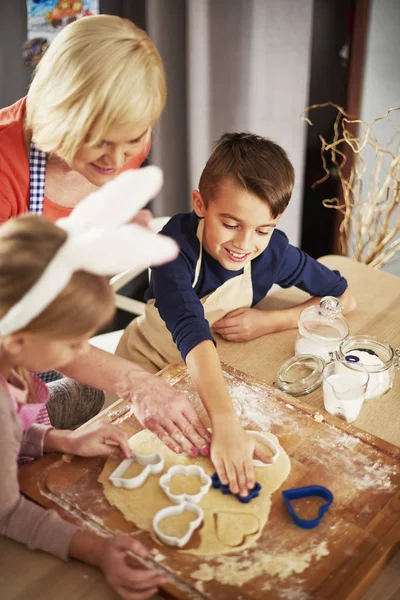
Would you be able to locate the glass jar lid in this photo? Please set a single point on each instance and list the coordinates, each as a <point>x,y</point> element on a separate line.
<point>324,323</point>
<point>300,375</point>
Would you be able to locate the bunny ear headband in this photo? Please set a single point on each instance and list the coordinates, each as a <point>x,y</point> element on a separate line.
<point>99,241</point>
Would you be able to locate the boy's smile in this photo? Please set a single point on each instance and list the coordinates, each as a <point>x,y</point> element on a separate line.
<point>237,224</point>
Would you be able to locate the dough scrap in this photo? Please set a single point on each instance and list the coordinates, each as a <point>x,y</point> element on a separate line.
<point>141,504</point>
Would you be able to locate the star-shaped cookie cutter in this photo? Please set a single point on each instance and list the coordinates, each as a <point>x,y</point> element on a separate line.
<point>153,464</point>
<point>187,471</point>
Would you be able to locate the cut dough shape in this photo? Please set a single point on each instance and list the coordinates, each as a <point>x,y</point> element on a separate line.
<point>140,505</point>
<point>177,525</point>
<point>232,531</point>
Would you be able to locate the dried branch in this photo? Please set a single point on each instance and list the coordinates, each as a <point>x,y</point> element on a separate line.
<point>370,196</point>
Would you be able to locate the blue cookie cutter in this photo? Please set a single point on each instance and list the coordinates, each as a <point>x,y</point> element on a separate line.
<point>216,483</point>
<point>306,492</point>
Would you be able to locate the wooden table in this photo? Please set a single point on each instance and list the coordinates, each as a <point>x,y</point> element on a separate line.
<point>34,575</point>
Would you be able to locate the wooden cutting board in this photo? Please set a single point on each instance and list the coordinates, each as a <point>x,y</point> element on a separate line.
<point>336,560</point>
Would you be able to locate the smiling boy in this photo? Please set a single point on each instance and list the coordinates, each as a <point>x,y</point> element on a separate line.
<point>231,254</point>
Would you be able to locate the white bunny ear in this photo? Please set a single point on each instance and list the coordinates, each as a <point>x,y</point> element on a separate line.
<point>129,247</point>
<point>98,251</point>
<point>116,202</point>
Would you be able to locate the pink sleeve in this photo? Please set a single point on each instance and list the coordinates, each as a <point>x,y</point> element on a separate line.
<point>21,519</point>
<point>32,442</point>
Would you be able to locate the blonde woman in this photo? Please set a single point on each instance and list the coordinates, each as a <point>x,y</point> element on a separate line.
<point>88,115</point>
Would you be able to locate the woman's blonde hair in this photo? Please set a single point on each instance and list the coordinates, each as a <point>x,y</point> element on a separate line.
<point>27,245</point>
<point>99,72</point>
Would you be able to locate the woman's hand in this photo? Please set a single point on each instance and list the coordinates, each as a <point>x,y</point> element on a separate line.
<point>169,415</point>
<point>157,405</point>
<point>232,451</point>
<point>242,325</point>
<point>130,584</point>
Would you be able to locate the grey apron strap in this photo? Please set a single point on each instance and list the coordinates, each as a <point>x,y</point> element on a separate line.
<point>37,179</point>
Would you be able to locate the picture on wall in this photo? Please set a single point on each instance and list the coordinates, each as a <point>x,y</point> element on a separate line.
<point>46,18</point>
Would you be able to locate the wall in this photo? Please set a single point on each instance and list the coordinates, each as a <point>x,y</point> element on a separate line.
<point>14,76</point>
<point>235,65</point>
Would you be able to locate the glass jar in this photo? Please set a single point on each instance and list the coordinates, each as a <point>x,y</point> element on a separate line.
<point>379,358</point>
<point>321,329</point>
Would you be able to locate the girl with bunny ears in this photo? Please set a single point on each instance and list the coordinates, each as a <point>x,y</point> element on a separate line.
<point>54,296</point>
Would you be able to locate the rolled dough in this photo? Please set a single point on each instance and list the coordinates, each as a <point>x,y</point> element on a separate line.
<point>229,525</point>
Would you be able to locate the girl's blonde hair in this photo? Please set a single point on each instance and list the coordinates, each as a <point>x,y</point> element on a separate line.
<point>99,72</point>
<point>27,245</point>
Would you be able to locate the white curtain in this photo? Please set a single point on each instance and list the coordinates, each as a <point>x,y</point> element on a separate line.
<point>232,65</point>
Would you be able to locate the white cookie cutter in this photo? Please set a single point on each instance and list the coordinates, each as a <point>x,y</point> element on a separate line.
<point>264,439</point>
<point>171,511</point>
<point>153,464</point>
<point>191,470</point>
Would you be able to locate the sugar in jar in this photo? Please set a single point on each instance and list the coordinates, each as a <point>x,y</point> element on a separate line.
<point>379,358</point>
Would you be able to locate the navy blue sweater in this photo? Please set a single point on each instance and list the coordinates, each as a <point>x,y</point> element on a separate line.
<point>179,303</point>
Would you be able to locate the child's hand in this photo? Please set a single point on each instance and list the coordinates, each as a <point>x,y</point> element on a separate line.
<point>99,439</point>
<point>130,584</point>
<point>232,451</point>
<point>241,325</point>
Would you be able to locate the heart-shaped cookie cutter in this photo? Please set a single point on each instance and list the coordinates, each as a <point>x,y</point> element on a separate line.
<point>265,440</point>
<point>153,464</point>
<point>307,492</point>
<point>171,511</point>
<point>191,470</point>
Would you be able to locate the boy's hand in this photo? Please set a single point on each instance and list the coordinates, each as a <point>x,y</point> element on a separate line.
<point>130,584</point>
<point>98,439</point>
<point>241,325</point>
<point>232,451</point>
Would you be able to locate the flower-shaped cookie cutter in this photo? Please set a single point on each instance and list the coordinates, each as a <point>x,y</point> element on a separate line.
<point>191,470</point>
<point>172,511</point>
<point>266,441</point>
<point>153,464</point>
<point>254,493</point>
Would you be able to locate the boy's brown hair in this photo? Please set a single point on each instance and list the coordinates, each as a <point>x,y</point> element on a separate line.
<point>257,164</point>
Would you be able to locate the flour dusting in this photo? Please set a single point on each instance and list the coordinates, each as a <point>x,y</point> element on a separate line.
<point>294,594</point>
<point>236,570</point>
<point>359,464</point>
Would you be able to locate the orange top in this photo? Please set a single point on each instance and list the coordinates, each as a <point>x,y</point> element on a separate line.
<point>14,168</point>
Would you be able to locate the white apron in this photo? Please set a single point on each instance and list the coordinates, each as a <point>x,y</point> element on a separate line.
<point>148,342</point>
